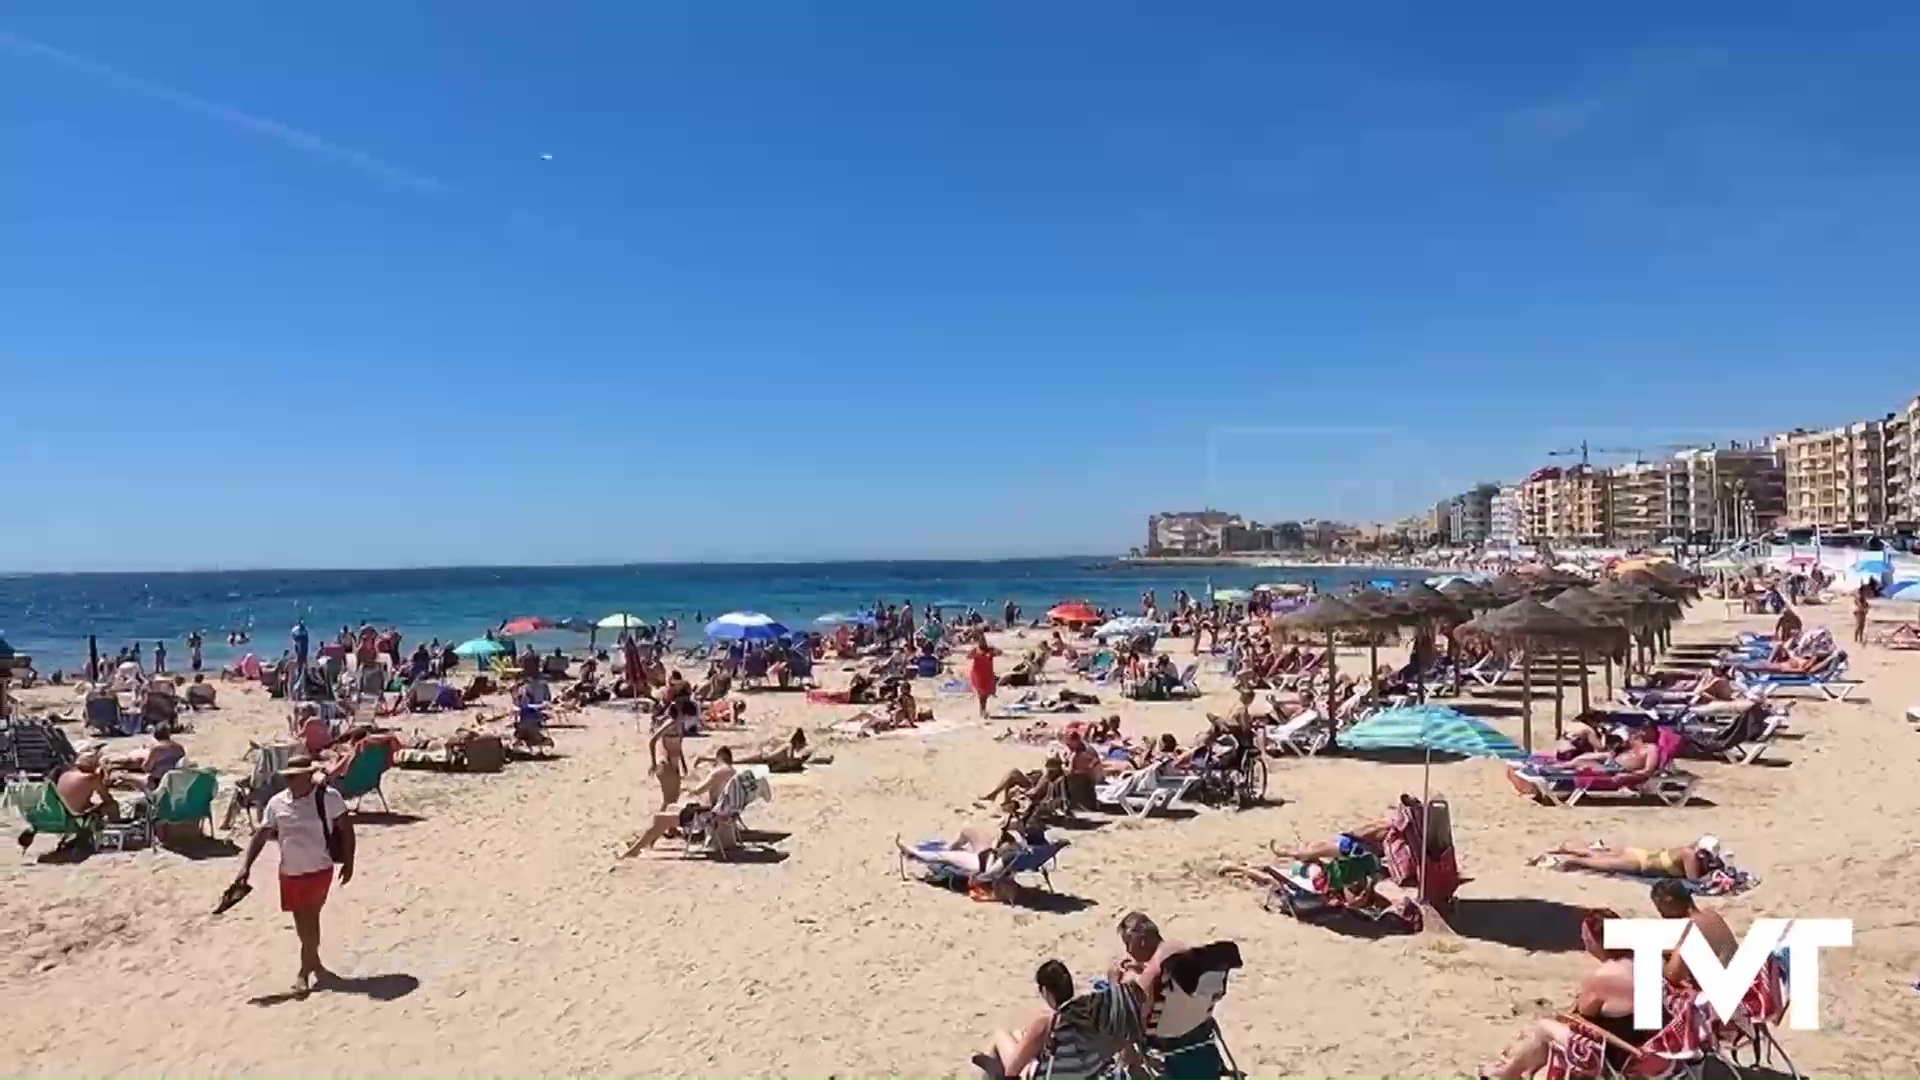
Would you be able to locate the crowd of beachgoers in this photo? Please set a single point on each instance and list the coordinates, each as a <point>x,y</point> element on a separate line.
<point>985,754</point>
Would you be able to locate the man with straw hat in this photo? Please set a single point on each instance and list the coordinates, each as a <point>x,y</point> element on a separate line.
<point>309,822</point>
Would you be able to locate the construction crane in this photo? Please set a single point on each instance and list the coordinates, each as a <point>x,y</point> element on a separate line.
<point>1585,452</point>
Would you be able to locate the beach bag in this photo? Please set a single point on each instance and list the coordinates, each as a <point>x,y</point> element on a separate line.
<point>335,848</point>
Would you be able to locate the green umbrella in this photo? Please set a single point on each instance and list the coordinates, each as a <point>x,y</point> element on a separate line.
<point>479,647</point>
<point>1430,728</point>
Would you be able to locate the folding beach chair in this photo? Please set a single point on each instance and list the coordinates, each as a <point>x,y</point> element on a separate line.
<point>364,773</point>
<point>1030,859</point>
<point>183,797</point>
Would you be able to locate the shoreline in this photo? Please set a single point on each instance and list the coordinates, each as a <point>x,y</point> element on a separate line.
<point>1269,562</point>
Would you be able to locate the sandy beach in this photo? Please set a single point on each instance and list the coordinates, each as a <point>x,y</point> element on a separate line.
<point>490,930</point>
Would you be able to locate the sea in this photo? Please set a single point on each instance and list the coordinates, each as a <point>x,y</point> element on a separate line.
<point>49,616</point>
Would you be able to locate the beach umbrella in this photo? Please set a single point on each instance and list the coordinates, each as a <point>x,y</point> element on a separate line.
<point>1597,612</point>
<point>1230,596</point>
<point>526,624</point>
<point>1878,567</point>
<point>1468,594</point>
<point>479,647</point>
<point>1326,615</point>
<point>1903,590</point>
<point>620,620</point>
<point>1428,728</point>
<point>1129,626</point>
<point>1074,613</point>
<point>745,626</point>
<point>1530,622</point>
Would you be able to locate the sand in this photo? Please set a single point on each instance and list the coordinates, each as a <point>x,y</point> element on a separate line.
<point>490,930</point>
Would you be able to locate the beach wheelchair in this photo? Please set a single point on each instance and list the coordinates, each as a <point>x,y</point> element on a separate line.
<point>1232,771</point>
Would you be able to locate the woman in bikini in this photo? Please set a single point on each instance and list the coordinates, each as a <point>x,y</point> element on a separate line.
<point>666,759</point>
<point>1693,862</point>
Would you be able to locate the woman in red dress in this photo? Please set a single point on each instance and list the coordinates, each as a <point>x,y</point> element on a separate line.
<point>980,671</point>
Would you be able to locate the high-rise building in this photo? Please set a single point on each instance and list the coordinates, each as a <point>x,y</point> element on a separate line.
<point>1902,442</point>
<point>1640,502</point>
<point>1727,493</point>
<point>1836,478</point>
<point>1566,506</point>
<point>1503,528</point>
<point>1470,515</point>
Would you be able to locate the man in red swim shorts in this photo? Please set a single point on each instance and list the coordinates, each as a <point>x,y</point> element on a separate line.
<point>310,845</point>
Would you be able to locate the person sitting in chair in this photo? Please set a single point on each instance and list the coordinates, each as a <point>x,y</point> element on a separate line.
<point>702,799</point>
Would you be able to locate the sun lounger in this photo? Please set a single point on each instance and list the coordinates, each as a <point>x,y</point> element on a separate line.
<point>1144,791</point>
<point>1566,787</point>
<point>1826,678</point>
<point>1741,739</point>
<point>33,749</point>
<point>1487,671</point>
<point>1031,859</point>
<point>1671,786</point>
<point>1304,735</point>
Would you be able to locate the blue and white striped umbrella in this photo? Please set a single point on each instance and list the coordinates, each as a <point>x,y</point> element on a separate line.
<point>745,626</point>
<point>1131,626</point>
<point>1429,727</point>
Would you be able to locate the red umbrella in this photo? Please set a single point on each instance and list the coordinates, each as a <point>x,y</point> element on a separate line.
<point>525,625</point>
<point>1075,611</point>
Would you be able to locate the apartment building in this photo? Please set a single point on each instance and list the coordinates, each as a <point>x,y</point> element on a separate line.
<point>1504,519</point>
<point>1729,492</point>
<point>1566,506</point>
<point>1836,478</point>
<point>1645,500</point>
<point>1470,516</point>
<point>1902,451</point>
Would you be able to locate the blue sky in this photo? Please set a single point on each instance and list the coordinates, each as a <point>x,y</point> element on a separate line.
<point>880,279</point>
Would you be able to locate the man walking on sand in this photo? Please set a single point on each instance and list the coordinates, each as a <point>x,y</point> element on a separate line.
<point>309,822</point>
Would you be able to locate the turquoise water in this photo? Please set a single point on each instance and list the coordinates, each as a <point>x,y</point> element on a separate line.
<point>50,615</point>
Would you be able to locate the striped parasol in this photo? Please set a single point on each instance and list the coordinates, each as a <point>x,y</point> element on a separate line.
<point>1429,727</point>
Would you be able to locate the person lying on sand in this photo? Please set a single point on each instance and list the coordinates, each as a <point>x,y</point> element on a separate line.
<point>703,797</point>
<point>779,755</point>
<point>1689,862</point>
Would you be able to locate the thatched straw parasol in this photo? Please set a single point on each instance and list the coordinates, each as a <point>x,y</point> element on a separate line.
<point>1532,623</point>
<point>1326,615</point>
<point>1598,613</point>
